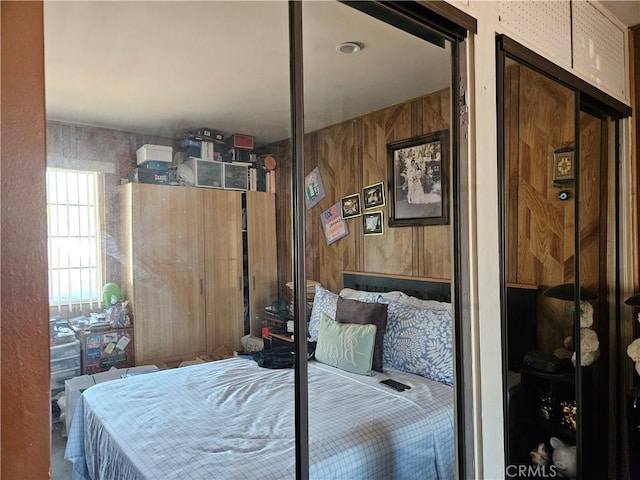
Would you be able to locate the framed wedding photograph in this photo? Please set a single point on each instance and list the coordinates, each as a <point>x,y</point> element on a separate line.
<point>373,196</point>
<point>350,205</point>
<point>419,175</point>
<point>372,223</point>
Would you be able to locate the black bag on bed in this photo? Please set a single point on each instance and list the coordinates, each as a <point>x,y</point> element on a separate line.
<point>281,357</point>
<point>277,357</point>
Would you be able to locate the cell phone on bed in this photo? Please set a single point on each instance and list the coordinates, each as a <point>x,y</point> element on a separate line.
<point>401,387</point>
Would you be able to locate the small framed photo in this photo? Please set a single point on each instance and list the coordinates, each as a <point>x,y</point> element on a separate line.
<point>373,196</point>
<point>350,205</point>
<point>563,166</point>
<point>372,223</point>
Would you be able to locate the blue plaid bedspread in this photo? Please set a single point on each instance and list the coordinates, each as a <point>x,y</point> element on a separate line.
<point>231,419</point>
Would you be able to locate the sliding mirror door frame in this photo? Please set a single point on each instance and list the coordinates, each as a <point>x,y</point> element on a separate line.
<point>587,99</point>
<point>446,23</point>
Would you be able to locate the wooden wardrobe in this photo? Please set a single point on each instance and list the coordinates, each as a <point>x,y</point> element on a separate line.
<point>187,255</point>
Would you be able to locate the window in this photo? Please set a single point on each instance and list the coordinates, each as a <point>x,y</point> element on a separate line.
<point>75,266</point>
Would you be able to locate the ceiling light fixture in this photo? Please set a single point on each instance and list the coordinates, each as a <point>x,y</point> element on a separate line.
<point>349,47</point>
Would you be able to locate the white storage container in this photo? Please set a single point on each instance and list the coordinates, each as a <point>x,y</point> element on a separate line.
<point>236,177</point>
<point>206,173</point>
<point>65,350</point>
<point>157,153</point>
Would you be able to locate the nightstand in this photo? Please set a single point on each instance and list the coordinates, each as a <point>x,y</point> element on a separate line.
<point>278,338</point>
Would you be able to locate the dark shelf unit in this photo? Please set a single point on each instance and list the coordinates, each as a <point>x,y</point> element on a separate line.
<point>543,392</point>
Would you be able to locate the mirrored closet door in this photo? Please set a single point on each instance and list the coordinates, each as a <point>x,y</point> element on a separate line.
<point>378,120</point>
<point>559,241</point>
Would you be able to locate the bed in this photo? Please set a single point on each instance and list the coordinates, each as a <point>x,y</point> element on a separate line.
<point>233,419</point>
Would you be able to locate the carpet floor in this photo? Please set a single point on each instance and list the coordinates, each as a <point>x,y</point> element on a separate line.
<point>60,468</point>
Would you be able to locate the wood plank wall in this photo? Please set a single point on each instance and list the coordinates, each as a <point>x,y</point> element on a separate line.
<point>350,156</point>
<point>540,227</point>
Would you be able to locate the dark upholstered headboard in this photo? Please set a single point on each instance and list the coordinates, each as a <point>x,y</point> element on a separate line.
<point>521,304</point>
<point>424,288</point>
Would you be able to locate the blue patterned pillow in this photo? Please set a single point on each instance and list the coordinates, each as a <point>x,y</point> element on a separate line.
<point>325,302</point>
<point>419,341</point>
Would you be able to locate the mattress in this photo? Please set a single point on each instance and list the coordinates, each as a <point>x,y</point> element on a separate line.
<point>232,419</point>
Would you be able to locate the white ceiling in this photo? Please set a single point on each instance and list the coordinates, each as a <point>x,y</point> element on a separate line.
<point>166,67</point>
<point>627,11</point>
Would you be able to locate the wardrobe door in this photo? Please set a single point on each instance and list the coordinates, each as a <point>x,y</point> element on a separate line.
<point>223,255</point>
<point>262,257</point>
<point>163,249</point>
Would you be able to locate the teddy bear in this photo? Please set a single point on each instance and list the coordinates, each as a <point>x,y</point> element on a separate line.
<point>564,458</point>
<point>589,343</point>
<point>633,351</point>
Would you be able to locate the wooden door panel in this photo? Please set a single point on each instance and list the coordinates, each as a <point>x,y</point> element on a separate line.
<point>223,269</point>
<point>261,251</point>
<point>165,272</point>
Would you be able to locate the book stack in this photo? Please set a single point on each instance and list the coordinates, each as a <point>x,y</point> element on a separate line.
<point>310,294</point>
<point>262,175</point>
<point>202,144</point>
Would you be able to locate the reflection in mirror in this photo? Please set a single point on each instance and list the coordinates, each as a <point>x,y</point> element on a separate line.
<point>539,252</point>
<point>162,236</point>
<point>549,402</point>
<point>358,107</point>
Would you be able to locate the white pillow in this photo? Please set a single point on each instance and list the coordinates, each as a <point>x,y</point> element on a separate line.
<point>394,296</point>
<point>371,297</point>
<point>419,303</point>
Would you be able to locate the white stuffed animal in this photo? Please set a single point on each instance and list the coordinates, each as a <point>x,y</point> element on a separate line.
<point>540,456</point>
<point>564,458</point>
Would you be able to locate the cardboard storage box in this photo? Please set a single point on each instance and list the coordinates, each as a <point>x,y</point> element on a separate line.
<point>206,173</point>
<point>146,175</point>
<point>239,140</point>
<point>103,349</point>
<point>158,153</point>
<point>208,134</point>
<point>74,387</point>
<point>155,165</point>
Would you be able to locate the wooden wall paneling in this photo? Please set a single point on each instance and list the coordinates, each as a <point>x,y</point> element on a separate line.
<point>540,236</point>
<point>434,249</point>
<point>545,224</point>
<point>436,109</point>
<point>340,177</point>
<point>369,174</point>
<point>395,253</point>
<point>512,172</point>
<point>351,155</point>
<point>376,253</point>
<point>313,228</point>
<point>592,202</point>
